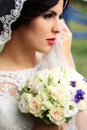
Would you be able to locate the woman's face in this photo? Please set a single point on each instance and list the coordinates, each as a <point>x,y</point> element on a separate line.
<point>41,33</point>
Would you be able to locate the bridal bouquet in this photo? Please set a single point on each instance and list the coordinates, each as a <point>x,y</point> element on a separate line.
<point>54,95</point>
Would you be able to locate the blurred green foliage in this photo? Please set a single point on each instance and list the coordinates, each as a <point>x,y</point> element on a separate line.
<point>79,52</point>
<point>77,27</point>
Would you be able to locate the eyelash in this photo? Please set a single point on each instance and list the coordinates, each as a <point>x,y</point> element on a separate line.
<point>50,15</point>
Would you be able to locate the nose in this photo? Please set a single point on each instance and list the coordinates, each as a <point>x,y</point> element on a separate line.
<point>55,28</point>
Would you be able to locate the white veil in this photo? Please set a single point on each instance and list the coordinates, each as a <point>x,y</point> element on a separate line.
<point>56,56</point>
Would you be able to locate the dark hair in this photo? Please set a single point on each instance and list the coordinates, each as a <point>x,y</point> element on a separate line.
<point>34,8</point>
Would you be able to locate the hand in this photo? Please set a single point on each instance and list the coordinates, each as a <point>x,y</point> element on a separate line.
<point>41,125</point>
<point>65,39</point>
<point>81,120</point>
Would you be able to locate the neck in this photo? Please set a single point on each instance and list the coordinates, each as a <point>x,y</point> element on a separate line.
<point>16,55</point>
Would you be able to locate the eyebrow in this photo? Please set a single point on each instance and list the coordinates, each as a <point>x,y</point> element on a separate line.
<point>53,12</point>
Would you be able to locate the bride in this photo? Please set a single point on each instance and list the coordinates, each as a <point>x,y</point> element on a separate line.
<point>34,38</point>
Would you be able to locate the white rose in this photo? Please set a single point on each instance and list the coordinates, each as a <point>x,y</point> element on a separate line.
<point>23,103</point>
<point>23,106</point>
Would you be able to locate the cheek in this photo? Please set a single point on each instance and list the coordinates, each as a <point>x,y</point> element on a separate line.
<point>37,31</point>
<point>39,28</point>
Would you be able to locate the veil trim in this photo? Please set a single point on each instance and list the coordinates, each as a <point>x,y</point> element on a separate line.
<point>7,20</point>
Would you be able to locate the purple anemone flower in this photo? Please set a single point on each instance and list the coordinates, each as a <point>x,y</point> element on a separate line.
<point>79,95</point>
<point>73,83</point>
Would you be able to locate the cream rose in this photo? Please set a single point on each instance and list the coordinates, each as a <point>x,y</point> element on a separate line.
<point>35,107</point>
<point>56,116</point>
<point>57,93</point>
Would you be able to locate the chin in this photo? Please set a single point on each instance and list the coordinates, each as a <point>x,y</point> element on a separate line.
<point>47,50</point>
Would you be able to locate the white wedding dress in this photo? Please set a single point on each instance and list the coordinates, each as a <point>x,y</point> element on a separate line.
<point>11,82</point>
<point>10,116</point>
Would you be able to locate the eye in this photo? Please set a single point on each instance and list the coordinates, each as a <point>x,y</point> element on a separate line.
<point>48,15</point>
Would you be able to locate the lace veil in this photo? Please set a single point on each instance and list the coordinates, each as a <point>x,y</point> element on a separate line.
<point>9,12</point>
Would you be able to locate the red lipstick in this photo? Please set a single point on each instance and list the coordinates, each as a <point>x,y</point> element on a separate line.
<point>51,41</point>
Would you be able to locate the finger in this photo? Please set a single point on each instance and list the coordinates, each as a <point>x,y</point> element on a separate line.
<point>64,126</point>
<point>63,25</point>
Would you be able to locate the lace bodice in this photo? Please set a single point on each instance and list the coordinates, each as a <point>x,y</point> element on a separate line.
<point>10,116</point>
<point>11,82</point>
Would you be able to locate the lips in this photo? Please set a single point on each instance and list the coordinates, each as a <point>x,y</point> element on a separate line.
<point>51,41</point>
